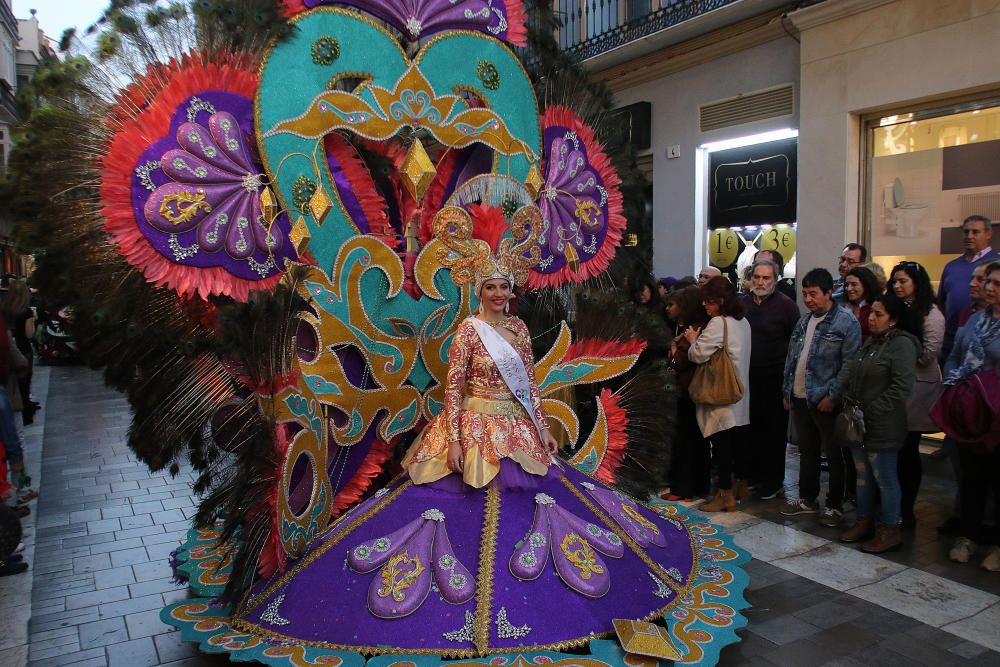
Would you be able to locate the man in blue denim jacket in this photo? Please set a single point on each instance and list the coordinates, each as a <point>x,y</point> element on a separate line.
<point>816,370</point>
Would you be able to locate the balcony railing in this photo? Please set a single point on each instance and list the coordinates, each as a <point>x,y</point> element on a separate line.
<point>592,27</point>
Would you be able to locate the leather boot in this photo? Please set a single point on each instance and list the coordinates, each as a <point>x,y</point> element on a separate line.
<point>741,491</point>
<point>861,530</point>
<point>722,502</point>
<point>887,538</point>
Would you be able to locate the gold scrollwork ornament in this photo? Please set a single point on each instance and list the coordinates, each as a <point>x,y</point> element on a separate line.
<point>583,558</point>
<point>397,577</point>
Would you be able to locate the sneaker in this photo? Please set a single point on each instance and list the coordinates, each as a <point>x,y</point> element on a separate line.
<point>796,506</point>
<point>831,517</point>
<point>963,550</point>
<point>992,561</point>
<point>777,493</point>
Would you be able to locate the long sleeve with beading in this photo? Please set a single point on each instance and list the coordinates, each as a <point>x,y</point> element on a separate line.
<point>458,364</point>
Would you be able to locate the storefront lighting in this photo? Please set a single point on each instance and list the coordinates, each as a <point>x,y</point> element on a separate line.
<point>895,119</point>
<point>774,135</point>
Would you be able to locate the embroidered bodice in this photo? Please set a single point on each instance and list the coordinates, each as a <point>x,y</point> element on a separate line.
<point>472,372</point>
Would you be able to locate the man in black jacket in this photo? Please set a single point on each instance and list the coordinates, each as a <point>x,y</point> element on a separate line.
<point>772,317</point>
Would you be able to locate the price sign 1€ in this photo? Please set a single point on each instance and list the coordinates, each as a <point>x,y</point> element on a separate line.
<point>723,248</point>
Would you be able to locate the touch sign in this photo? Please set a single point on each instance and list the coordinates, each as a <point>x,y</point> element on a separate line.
<point>753,184</point>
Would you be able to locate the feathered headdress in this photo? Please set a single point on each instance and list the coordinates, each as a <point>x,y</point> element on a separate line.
<point>475,261</point>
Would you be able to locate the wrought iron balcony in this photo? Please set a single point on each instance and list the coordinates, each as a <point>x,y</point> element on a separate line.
<point>592,27</point>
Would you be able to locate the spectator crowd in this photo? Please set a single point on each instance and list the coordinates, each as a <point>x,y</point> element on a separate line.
<point>17,409</point>
<point>875,363</point>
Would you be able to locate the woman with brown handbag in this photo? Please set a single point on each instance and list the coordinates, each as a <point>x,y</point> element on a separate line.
<point>719,388</point>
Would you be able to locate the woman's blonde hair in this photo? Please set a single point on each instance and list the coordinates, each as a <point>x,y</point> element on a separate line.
<point>18,299</point>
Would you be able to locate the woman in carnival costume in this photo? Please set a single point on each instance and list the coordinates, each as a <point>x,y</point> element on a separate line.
<point>489,543</point>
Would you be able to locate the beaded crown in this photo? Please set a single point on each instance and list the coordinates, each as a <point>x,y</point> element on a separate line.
<point>474,261</point>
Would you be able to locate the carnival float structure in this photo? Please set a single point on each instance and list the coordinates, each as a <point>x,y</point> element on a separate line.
<point>288,196</point>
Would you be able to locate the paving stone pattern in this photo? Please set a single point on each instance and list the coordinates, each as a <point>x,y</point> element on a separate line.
<point>106,527</point>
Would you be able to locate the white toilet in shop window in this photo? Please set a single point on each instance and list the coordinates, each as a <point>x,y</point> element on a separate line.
<point>904,216</point>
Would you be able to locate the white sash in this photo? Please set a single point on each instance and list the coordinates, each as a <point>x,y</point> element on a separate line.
<point>510,365</point>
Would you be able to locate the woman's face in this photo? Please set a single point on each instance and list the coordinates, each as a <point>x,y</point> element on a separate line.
<point>663,290</point>
<point>853,289</point>
<point>903,286</point>
<point>673,312</point>
<point>495,295</point>
<point>991,289</point>
<point>645,294</point>
<point>713,308</point>
<point>878,319</point>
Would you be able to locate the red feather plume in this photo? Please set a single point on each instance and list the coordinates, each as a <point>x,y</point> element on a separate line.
<point>370,468</point>
<point>604,349</point>
<point>617,419</point>
<point>488,224</point>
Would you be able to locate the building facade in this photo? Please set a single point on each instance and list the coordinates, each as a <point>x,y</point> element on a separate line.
<point>22,46</point>
<point>787,125</point>
<point>900,136</point>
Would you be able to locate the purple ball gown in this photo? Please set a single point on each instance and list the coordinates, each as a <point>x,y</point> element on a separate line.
<point>520,553</point>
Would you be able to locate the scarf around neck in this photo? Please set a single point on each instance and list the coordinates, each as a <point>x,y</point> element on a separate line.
<point>986,331</point>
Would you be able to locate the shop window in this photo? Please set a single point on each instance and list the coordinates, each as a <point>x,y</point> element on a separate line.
<point>751,191</point>
<point>926,171</point>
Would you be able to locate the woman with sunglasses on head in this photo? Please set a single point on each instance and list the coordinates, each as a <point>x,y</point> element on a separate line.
<point>910,282</point>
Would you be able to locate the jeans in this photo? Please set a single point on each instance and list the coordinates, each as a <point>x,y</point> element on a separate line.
<point>878,468</point>
<point>815,433</point>
<point>768,429</point>
<point>8,430</point>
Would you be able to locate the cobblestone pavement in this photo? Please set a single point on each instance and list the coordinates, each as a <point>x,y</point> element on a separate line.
<point>106,527</point>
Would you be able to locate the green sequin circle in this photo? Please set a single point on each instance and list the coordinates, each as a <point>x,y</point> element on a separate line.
<point>325,50</point>
<point>488,74</point>
<point>509,207</point>
<point>302,191</point>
